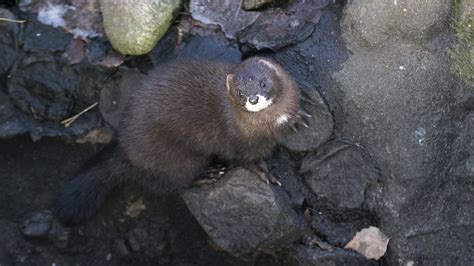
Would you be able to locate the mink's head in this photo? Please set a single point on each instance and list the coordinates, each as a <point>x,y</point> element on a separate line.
<point>255,84</point>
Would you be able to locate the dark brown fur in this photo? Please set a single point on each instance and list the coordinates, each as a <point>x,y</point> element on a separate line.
<point>181,116</point>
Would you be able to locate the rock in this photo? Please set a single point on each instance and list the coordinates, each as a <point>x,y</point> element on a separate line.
<point>408,111</point>
<point>133,241</point>
<point>242,214</point>
<point>59,235</point>
<point>257,4</point>
<point>11,120</point>
<point>135,27</point>
<point>340,174</point>
<point>320,128</point>
<point>46,90</point>
<point>8,34</point>
<point>38,225</point>
<point>274,28</point>
<point>40,38</point>
<point>300,255</point>
<point>121,247</point>
<point>202,45</point>
<point>463,51</point>
<point>284,166</point>
<point>115,93</point>
<point>79,17</point>
<point>410,20</point>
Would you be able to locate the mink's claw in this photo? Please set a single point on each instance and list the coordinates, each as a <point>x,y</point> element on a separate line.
<point>303,121</point>
<point>303,112</point>
<point>264,174</point>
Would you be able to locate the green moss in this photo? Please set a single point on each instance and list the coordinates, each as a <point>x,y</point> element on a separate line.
<point>462,52</point>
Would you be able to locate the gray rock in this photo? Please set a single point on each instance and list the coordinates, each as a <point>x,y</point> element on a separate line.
<point>115,93</point>
<point>11,120</point>
<point>273,28</point>
<point>242,214</point>
<point>40,38</point>
<point>320,129</point>
<point>38,225</point>
<point>135,27</point>
<point>409,19</point>
<point>340,174</point>
<point>8,31</point>
<point>59,235</point>
<point>203,44</point>
<point>408,111</point>
<point>300,255</point>
<point>284,166</point>
<point>121,247</point>
<point>256,4</point>
<point>46,90</point>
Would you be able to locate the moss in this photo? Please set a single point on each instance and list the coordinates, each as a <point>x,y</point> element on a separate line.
<point>462,52</point>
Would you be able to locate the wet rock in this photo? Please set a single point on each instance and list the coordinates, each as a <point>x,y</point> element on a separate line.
<point>59,235</point>
<point>257,4</point>
<point>242,214</point>
<point>135,27</point>
<point>407,111</point>
<point>40,38</point>
<point>8,34</point>
<point>11,120</point>
<point>320,129</point>
<point>133,241</point>
<point>300,255</point>
<point>79,17</point>
<point>339,173</point>
<point>273,28</point>
<point>46,90</point>
<point>38,225</point>
<point>412,20</point>
<point>121,247</point>
<point>207,45</point>
<point>115,93</point>
<point>284,166</point>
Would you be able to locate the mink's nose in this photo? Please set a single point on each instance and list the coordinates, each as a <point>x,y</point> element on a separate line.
<point>253,99</point>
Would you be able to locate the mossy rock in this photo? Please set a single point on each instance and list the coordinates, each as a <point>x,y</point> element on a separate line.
<point>463,52</point>
<point>134,27</point>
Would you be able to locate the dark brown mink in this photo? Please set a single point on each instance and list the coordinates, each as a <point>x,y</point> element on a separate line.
<point>184,113</point>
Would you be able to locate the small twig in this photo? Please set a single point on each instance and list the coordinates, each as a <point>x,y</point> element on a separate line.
<point>12,20</point>
<point>70,120</point>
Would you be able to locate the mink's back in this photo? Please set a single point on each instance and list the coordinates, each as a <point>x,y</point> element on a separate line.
<point>181,108</point>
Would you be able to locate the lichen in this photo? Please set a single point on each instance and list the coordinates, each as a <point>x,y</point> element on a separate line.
<point>462,52</point>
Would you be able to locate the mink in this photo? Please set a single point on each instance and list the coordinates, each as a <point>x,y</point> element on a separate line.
<point>181,115</point>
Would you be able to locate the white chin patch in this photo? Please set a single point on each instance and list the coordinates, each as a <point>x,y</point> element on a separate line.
<point>262,104</point>
<point>282,119</point>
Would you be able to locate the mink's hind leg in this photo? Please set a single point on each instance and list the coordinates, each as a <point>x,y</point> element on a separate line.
<point>86,192</point>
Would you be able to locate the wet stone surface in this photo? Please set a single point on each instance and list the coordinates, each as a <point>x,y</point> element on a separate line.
<point>241,214</point>
<point>389,143</point>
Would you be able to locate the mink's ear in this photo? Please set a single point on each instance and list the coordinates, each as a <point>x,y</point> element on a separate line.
<point>271,65</point>
<point>229,79</point>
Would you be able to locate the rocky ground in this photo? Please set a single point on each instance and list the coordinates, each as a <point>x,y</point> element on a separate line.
<point>390,143</point>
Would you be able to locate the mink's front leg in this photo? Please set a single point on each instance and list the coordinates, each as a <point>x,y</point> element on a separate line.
<point>263,173</point>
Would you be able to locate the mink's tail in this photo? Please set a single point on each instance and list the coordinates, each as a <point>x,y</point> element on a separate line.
<point>83,195</point>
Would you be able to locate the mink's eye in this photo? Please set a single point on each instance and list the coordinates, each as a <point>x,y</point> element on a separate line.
<point>262,84</point>
<point>240,93</point>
